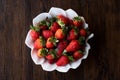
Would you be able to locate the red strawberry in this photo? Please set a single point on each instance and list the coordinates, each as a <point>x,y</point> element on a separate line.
<point>73,46</point>
<point>51,42</point>
<point>62,61</point>
<point>39,43</point>
<point>83,32</point>
<point>59,34</point>
<point>50,57</point>
<point>52,61</point>
<point>72,35</point>
<point>41,52</point>
<point>34,34</point>
<point>60,48</point>
<point>47,33</point>
<point>71,22</point>
<point>64,19</point>
<point>54,27</point>
<point>43,27</point>
<point>77,21</point>
<point>77,55</point>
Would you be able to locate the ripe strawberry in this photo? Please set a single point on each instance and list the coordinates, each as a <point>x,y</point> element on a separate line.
<point>73,46</point>
<point>64,19</point>
<point>83,32</point>
<point>51,42</point>
<point>71,22</point>
<point>54,27</point>
<point>43,27</point>
<point>59,34</point>
<point>77,55</point>
<point>47,33</point>
<point>60,48</point>
<point>42,52</point>
<point>72,35</point>
<point>62,61</point>
<point>34,34</point>
<point>77,21</point>
<point>39,43</point>
<point>50,56</point>
<point>52,61</point>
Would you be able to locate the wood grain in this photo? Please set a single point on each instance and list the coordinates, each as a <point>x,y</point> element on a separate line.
<point>103,17</point>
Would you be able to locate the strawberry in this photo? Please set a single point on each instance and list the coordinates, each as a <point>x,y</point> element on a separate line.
<point>72,35</point>
<point>51,55</point>
<point>77,55</point>
<point>71,22</point>
<point>47,33</point>
<point>54,27</point>
<point>52,61</point>
<point>77,21</point>
<point>34,33</point>
<point>63,19</point>
<point>51,42</point>
<point>43,27</point>
<point>60,48</point>
<point>73,46</point>
<point>59,34</point>
<point>42,52</point>
<point>62,61</point>
<point>39,43</point>
<point>83,32</point>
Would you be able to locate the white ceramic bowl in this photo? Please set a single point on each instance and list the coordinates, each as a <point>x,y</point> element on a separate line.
<point>41,61</point>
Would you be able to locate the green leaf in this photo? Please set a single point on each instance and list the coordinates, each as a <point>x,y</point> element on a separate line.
<point>44,52</point>
<point>53,40</point>
<point>43,23</point>
<point>35,28</point>
<point>65,29</point>
<point>53,52</point>
<point>82,40</point>
<point>64,52</point>
<point>48,24</point>
<point>53,19</point>
<point>42,41</point>
<point>76,30</point>
<point>60,23</point>
<point>71,58</point>
<point>78,18</point>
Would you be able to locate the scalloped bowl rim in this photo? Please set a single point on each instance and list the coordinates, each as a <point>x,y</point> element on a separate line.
<point>45,65</point>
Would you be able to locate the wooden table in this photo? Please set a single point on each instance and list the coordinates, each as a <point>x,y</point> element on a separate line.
<point>103,17</point>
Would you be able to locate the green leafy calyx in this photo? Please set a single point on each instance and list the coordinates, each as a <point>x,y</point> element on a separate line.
<point>35,28</point>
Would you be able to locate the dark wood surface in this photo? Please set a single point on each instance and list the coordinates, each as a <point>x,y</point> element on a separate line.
<point>103,17</point>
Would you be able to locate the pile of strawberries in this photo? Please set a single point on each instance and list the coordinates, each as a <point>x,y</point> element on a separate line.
<point>59,39</point>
